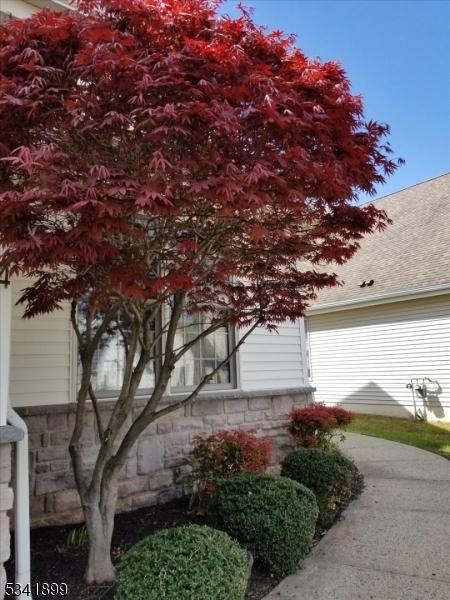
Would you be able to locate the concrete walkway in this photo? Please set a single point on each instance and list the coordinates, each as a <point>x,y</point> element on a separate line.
<point>393,542</point>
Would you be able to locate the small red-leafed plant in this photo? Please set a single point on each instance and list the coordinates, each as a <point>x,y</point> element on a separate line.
<point>222,454</point>
<point>342,415</point>
<point>315,425</point>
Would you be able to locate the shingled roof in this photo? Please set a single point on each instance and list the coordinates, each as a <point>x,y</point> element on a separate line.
<point>411,255</point>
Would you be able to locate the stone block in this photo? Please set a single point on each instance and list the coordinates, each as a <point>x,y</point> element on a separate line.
<point>49,503</point>
<point>259,403</point>
<point>255,416</point>
<point>66,500</point>
<point>235,405</point>
<point>162,479</point>
<point>124,504</point>
<point>164,427</point>
<point>188,424</point>
<point>6,497</point>
<point>150,455</point>
<point>150,430</point>
<point>169,495</point>
<point>52,453</point>
<point>207,407</point>
<point>182,473</point>
<point>36,423</point>
<point>179,438</point>
<point>37,506</point>
<point>131,466</point>
<point>250,427</point>
<point>4,538</point>
<point>57,422</point>
<point>130,487</point>
<point>34,441</point>
<point>236,419</point>
<point>42,468</point>
<point>176,460</point>
<point>144,499</point>
<point>5,463</point>
<point>60,465</point>
<point>215,421</point>
<point>59,438</point>
<point>48,483</point>
<point>282,406</point>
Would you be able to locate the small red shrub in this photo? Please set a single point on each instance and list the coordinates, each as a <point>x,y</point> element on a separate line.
<point>342,415</point>
<point>315,424</point>
<point>225,453</point>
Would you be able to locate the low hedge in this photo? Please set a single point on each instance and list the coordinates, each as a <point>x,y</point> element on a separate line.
<point>191,562</point>
<point>272,516</point>
<point>328,473</point>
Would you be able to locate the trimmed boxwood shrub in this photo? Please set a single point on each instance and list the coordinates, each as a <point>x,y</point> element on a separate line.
<point>191,562</point>
<point>272,516</point>
<point>328,473</point>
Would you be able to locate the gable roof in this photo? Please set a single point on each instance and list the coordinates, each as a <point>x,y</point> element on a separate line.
<point>410,256</point>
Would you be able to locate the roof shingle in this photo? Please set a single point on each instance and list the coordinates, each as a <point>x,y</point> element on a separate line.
<point>411,254</point>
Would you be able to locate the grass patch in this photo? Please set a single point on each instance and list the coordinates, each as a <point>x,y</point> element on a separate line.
<point>434,437</point>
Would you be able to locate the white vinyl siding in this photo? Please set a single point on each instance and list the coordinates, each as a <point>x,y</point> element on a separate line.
<point>40,356</point>
<point>273,360</point>
<point>364,358</point>
<point>17,8</point>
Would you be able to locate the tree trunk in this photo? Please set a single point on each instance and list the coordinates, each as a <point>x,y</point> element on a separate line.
<point>100,525</point>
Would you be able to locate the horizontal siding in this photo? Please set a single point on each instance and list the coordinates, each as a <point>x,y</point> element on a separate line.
<point>40,356</point>
<point>41,361</point>
<point>17,8</point>
<point>272,360</point>
<point>365,357</point>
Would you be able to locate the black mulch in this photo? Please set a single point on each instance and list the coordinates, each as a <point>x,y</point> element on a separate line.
<point>53,561</point>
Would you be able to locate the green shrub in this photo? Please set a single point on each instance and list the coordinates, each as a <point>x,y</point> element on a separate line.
<point>273,517</point>
<point>191,562</point>
<point>223,454</point>
<point>328,473</point>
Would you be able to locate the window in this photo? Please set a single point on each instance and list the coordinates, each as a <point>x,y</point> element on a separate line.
<point>109,361</point>
<point>198,361</point>
<point>204,356</point>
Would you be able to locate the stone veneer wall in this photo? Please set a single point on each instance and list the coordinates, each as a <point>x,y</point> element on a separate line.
<point>157,465</point>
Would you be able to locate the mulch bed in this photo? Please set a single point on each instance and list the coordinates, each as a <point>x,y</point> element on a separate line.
<point>53,561</point>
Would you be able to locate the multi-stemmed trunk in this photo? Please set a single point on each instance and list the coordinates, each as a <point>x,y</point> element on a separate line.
<point>98,489</point>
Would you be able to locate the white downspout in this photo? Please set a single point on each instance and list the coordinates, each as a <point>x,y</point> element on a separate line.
<point>22,510</point>
<point>21,492</point>
<point>5,344</point>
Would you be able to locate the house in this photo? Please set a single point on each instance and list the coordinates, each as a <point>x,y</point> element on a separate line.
<point>38,382</point>
<point>380,343</point>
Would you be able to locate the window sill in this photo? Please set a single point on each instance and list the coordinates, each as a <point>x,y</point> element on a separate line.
<point>233,394</point>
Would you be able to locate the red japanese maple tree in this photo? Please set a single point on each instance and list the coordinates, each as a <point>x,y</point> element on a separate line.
<point>155,154</point>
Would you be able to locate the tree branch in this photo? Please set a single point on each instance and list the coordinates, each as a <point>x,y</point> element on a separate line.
<point>168,409</point>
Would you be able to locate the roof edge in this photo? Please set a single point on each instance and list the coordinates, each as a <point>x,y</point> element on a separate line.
<point>403,189</point>
<point>436,290</point>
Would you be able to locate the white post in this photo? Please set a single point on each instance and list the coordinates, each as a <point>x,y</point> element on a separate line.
<point>5,349</point>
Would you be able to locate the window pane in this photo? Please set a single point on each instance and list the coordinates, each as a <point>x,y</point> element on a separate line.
<point>207,347</point>
<point>109,360</point>
<point>204,357</point>
<point>178,376</point>
<point>221,343</point>
<point>223,374</point>
<point>208,367</point>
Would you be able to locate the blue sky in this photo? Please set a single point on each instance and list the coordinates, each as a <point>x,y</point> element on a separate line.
<point>396,54</point>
